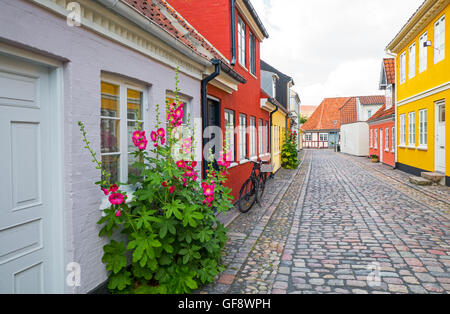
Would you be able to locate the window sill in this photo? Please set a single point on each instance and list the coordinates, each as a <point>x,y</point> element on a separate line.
<point>254,158</point>
<point>254,76</point>
<point>234,164</point>
<point>244,67</point>
<point>244,161</point>
<point>411,147</point>
<point>424,148</point>
<point>402,146</point>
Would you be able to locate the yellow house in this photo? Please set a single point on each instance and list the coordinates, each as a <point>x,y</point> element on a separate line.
<point>423,90</point>
<point>278,136</point>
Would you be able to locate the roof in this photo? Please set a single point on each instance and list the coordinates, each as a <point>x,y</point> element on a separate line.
<point>165,16</point>
<point>255,16</point>
<point>382,113</point>
<point>324,116</point>
<point>307,110</point>
<point>348,111</point>
<point>282,83</point>
<point>389,68</point>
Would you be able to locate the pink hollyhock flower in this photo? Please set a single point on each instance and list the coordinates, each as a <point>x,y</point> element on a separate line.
<point>164,184</point>
<point>116,199</point>
<point>194,164</point>
<point>209,199</point>
<point>163,140</point>
<point>156,145</point>
<point>161,132</point>
<point>154,136</point>
<point>189,173</point>
<point>181,164</point>
<point>172,189</point>
<point>118,213</point>
<point>179,113</point>
<point>208,190</point>
<point>113,188</point>
<point>195,177</point>
<point>142,145</point>
<point>106,191</point>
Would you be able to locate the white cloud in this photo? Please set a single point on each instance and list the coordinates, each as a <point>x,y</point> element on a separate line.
<point>331,47</point>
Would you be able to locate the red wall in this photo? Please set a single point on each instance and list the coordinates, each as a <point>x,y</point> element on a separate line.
<point>388,157</point>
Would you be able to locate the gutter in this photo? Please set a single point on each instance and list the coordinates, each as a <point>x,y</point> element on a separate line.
<point>204,102</point>
<point>137,18</point>
<point>233,32</point>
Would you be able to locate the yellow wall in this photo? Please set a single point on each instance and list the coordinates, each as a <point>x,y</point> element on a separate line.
<point>435,74</point>
<point>423,159</point>
<point>278,133</point>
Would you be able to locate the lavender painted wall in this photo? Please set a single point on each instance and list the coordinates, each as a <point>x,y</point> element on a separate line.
<point>89,54</point>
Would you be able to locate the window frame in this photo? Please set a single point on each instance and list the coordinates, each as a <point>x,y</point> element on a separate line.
<point>242,137</point>
<point>252,53</point>
<point>403,129</point>
<point>412,61</point>
<point>323,137</point>
<point>438,56</point>
<point>386,139</point>
<point>394,138</point>
<point>423,53</point>
<point>242,42</point>
<point>253,137</point>
<point>423,126</point>
<point>412,129</point>
<point>371,138</point>
<point>260,137</point>
<point>230,131</point>
<point>403,67</point>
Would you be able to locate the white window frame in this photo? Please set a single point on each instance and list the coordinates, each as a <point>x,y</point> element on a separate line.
<point>423,125</point>
<point>394,137</point>
<point>124,152</point>
<point>371,138</point>
<point>186,106</point>
<point>260,137</point>
<point>423,52</point>
<point>439,40</point>
<point>242,137</point>
<point>252,133</point>
<point>252,53</point>
<point>375,139</point>
<point>229,131</point>
<point>308,137</point>
<point>412,129</point>
<point>323,137</point>
<point>403,67</point>
<point>403,130</point>
<point>242,41</point>
<point>386,139</point>
<point>266,136</point>
<point>412,61</point>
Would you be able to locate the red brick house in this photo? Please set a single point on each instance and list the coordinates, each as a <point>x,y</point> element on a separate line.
<point>234,28</point>
<point>382,141</point>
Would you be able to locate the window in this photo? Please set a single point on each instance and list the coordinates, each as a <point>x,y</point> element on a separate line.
<point>369,114</point>
<point>402,130</point>
<point>323,137</point>
<point>386,139</point>
<point>170,98</point>
<point>252,136</point>
<point>120,114</point>
<point>266,137</point>
<point>229,131</point>
<point>371,138</point>
<point>308,136</point>
<point>393,139</point>
<point>411,128</point>
<point>375,144</point>
<point>403,67</point>
<point>260,137</point>
<point>241,42</point>
<point>412,60</point>
<point>423,128</point>
<point>422,53</point>
<point>252,54</point>
<point>242,137</point>
<point>439,40</point>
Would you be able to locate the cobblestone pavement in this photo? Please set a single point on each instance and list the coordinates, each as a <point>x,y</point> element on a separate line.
<point>339,225</point>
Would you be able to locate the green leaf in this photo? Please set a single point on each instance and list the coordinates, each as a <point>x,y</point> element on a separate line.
<point>119,281</point>
<point>114,256</point>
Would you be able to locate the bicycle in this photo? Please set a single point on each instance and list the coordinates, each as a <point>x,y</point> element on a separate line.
<point>253,189</point>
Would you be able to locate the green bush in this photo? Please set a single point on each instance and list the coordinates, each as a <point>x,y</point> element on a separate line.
<point>289,152</point>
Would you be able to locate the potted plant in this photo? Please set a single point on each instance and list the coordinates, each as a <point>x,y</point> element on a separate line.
<point>374,158</point>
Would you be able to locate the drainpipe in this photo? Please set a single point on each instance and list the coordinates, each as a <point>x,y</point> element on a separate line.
<point>394,55</point>
<point>271,142</point>
<point>204,101</point>
<point>233,32</point>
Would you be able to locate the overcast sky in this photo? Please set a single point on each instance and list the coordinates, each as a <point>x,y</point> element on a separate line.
<point>331,47</point>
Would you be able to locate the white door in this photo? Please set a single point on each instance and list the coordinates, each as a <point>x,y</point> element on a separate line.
<point>26,238</point>
<point>440,137</point>
<point>381,145</point>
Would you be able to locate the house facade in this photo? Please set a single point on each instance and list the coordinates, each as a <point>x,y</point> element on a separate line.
<point>382,135</point>
<point>237,32</point>
<point>106,66</point>
<point>354,127</point>
<point>322,130</point>
<point>423,90</point>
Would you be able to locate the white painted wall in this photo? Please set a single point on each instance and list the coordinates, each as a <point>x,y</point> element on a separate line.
<point>355,139</point>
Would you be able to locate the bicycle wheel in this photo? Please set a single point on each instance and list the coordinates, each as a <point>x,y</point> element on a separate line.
<point>261,187</point>
<point>247,196</point>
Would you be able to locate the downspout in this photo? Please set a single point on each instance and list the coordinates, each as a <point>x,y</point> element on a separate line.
<point>233,32</point>
<point>204,102</point>
<point>271,142</point>
<point>394,55</point>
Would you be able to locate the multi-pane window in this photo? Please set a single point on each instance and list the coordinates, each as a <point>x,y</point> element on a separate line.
<point>423,53</point>
<point>323,137</point>
<point>170,98</point>
<point>229,132</point>
<point>402,130</point>
<point>252,136</point>
<point>308,136</point>
<point>121,113</point>
<point>260,137</point>
<point>439,40</point>
<point>403,67</point>
<point>412,60</point>
<point>386,139</point>
<point>423,127</point>
<point>242,137</point>
<point>266,137</point>
<point>252,54</point>
<point>375,144</point>
<point>371,138</point>
<point>242,41</point>
<point>411,128</point>
<point>393,139</point>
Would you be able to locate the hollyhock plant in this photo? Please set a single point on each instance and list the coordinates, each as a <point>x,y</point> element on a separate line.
<point>172,241</point>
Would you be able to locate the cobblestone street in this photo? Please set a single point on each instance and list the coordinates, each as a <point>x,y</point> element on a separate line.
<point>340,224</point>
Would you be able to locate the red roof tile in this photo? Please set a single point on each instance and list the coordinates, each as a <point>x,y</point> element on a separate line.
<point>324,116</point>
<point>389,68</point>
<point>348,112</point>
<point>382,113</point>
